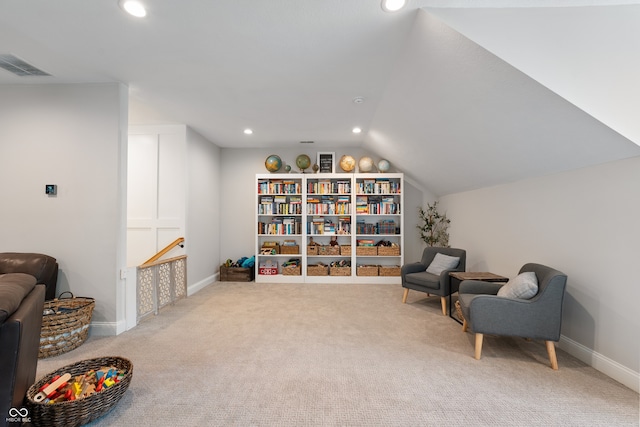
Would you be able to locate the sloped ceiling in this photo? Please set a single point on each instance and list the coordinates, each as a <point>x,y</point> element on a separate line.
<point>461,118</point>
<point>456,98</point>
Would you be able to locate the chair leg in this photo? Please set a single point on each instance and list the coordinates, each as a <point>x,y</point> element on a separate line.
<point>443,303</point>
<point>478,346</point>
<point>404,296</point>
<point>465,325</point>
<point>551,349</point>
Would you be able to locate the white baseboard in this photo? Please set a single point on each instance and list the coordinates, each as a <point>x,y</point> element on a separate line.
<point>202,284</point>
<point>609,367</point>
<point>102,329</point>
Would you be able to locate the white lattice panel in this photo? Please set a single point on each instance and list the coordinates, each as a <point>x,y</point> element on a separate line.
<point>161,284</point>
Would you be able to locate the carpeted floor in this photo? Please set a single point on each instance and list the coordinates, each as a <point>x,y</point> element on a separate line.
<point>247,354</point>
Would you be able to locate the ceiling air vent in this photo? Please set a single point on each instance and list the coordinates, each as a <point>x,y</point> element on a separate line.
<point>18,67</point>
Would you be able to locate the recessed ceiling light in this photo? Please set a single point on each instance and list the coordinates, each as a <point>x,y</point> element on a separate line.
<point>356,130</point>
<point>393,5</point>
<point>358,100</point>
<point>133,7</point>
<point>248,131</point>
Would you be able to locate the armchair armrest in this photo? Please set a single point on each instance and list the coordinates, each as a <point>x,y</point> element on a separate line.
<point>413,267</point>
<point>479,287</point>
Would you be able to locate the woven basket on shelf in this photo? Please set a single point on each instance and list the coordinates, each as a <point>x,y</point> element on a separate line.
<point>367,270</point>
<point>340,271</point>
<point>292,270</point>
<point>367,251</point>
<point>388,251</point>
<point>389,270</point>
<point>317,270</point>
<point>65,324</point>
<point>84,410</point>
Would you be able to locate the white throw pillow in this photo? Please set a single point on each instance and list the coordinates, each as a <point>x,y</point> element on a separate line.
<point>523,286</point>
<point>442,262</point>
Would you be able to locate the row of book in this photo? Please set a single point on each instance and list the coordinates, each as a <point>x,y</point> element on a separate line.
<point>329,205</point>
<point>329,187</point>
<point>280,226</point>
<point>377,205</point>
<point>378,186</point>
<point>278,186</point>
<point>382,227</point>
<point>280,205</point>
<point>320,225</point>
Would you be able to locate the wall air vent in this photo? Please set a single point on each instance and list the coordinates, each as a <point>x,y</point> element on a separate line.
<point>19,67</point>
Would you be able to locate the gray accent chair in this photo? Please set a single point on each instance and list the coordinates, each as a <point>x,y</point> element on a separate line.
<point>415,277</point>
<point>538,318</point>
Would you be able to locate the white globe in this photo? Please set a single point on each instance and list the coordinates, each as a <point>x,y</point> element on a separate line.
<point>384,165</point>
<point>365,164</point>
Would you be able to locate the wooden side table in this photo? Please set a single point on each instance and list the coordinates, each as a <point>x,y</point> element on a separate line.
<point>458,276</point>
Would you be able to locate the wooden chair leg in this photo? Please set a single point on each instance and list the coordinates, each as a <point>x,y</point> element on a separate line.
<point>551,349</point>
<point>404,296</point>
<point>478,346</point>
<point>465,325</point>
<point>443,303</point>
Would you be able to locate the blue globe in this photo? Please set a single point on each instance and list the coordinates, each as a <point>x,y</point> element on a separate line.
<point>273,163</point>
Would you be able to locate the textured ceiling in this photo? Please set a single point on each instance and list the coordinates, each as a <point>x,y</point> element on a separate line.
<point>438,103</point>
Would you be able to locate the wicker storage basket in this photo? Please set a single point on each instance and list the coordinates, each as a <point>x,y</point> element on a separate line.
<point>312,250</point>
<point>292,270</point>
<point>67,327</point>
<point>388,251</point>
<point>81,411</point>
<point>459,311</point>
<point>366,251</point>
<point>290,249</point>
<point>389,270</point>
<point>367,270</point>
<point>317,270</point>
<point>340,271</point>
<point>329,250</point>
<point>345,250</point>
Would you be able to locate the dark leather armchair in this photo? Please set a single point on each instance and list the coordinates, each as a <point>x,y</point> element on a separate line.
<point>537,318</point>
<point>43,267</point>
<point>415,277</point>
<point>22,295</point>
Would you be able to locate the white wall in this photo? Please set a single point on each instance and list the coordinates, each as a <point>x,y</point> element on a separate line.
<point>73,136</point>
<point>584,223</point>
<point>156,191</point>
<point>203,211</point>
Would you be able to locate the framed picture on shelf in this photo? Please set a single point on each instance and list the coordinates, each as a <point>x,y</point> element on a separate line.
<point>326,162</point>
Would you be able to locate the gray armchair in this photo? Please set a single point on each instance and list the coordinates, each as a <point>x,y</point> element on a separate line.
<point>415,277</point>
<point>537,318</point>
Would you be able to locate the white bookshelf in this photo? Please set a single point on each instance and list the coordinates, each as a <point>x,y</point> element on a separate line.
<point>328,211</point>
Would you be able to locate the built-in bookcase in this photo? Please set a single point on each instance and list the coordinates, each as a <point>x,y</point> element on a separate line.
<point>333,220</point>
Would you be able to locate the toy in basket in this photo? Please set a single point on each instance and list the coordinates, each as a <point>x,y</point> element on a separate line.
<point>65,324</point>
<point>77,394</point>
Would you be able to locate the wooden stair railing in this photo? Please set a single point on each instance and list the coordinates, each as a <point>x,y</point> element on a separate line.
<point>179,241</point>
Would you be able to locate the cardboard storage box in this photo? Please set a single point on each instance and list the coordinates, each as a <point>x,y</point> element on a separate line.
<point>268,268</point>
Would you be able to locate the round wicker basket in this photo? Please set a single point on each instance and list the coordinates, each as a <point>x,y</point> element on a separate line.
<point>81,411</point>
<point>65,324</point>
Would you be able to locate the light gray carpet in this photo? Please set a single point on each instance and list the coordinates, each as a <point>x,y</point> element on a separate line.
<point>246,354</point>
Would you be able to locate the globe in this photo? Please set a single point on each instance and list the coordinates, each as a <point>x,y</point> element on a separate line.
<point>384,165</point>
<point>303,162</point>
<point>365,164</point>
<point>273,163</point>
<point>287,168</point>
<point>347,163</point>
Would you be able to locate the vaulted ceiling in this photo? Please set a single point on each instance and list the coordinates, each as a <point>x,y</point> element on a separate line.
<point>457,94</point>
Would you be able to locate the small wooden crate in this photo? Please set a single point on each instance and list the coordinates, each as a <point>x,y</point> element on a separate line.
<point>317,270</point>
<point>388,251</point>
<point>312,250</point>
<point>290,249</point>
<point>236,274</point>
<point>329,250</point>
<point>389,270</point>
<point>340,271</point>
<point>292,270</point>
<point>367,270</point>
<point>345,250</point>
<point>367,251</point>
